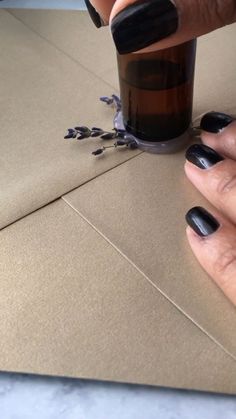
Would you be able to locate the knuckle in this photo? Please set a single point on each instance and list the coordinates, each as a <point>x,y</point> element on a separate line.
<point>225,11</point>
<point>225,264</point>
<point>226,185</point>
<point>217,13</point>
<point>220,13</point>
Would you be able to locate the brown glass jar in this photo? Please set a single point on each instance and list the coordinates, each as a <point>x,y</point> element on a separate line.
<point>157,94</point>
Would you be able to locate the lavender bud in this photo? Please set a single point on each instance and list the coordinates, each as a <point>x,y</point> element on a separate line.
<point>69,136</point>
<point>107,100</point>
<point>117,101</point>
<point>82,129</point>
<point>121,134</point>
<point>81,137</point>
<point>121,142</point>
<point>96,133</point>
<point>98,151</point>
<point>133,145</point>
<point>109,136</point>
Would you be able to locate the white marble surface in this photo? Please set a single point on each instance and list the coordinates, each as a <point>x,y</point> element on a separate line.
<point>29,397</point>
<point>43,4</point>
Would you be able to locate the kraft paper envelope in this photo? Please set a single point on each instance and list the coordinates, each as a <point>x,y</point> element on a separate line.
<point>100,282</point>
<point>71,305</point>
<point>43,92</point>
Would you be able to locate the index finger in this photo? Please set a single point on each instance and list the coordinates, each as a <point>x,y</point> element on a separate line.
<point>150,25</point>
<point>102,8</point>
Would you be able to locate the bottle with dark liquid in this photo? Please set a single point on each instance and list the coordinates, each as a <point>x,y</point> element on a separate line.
<point>157,94</point>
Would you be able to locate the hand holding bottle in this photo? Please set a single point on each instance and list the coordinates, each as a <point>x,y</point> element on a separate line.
<point>151,25</point>
<point>160,24</point>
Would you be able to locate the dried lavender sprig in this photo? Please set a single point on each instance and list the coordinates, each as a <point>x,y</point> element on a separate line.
<point>81,133</point>
<point>125,142</point>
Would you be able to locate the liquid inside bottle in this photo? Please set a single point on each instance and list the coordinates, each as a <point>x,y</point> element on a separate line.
<point>157,92</point>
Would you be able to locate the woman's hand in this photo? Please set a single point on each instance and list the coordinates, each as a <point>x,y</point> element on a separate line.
<point>148,25</point>
<point>211,168</point>
<point>158,24</point>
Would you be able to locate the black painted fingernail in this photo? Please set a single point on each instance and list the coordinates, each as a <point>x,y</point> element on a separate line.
<point>143,23</point>
<point>202,156</point>
<point>201,221</point>
<point>94,15</point>
<point>215,121</point>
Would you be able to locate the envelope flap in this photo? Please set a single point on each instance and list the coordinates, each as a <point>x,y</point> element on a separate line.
<point>43,92</point>
<point>146,201</point>
<point>71,305</point>
<point>140,208</point>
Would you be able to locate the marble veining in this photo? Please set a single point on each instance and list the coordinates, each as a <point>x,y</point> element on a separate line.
<point>29,397</point>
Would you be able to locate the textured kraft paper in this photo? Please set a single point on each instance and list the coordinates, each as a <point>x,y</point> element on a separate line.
<point>43,91</point>
<point>71,305</point>
<point>81,284</point>
<point>140,208</point>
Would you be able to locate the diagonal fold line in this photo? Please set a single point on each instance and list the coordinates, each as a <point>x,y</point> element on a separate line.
<point>71,190</point>
<point>60,50</point>
<point>149,280</point>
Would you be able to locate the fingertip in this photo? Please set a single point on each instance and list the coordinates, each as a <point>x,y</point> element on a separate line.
<point>191,235</point>
<point>187,166</point>
<point>191,171</point>
<point>189,232</point>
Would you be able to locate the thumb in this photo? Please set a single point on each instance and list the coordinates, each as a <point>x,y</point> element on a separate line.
<point>158,24</point>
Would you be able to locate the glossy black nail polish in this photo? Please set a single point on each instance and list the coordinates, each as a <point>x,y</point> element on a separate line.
<point>202,156</point>
<point>215,121</point>
<point>201,221</point>
<point>94,14</point>
<point>143,23</point>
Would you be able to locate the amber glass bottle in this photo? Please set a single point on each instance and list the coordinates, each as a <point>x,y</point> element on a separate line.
<point>157,94</point>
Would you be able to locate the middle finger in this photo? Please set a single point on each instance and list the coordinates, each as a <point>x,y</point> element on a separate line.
<point>214,176</point>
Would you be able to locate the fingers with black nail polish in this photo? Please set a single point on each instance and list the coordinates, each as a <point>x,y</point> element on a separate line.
<point>214,245</point>
<point>94,15</point>
<point>143,23</point>
<point>203,156</point>
<point>214,122</point>
<point>202,222</point>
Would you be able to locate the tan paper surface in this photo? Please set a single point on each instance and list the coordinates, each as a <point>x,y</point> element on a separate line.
<point>71,305</point>
<point>43,92</point>
<point>75,35</point>
<point>101,283</point>
<point>140,208</point>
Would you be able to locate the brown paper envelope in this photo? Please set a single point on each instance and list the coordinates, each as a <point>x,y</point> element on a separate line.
<point>140,209</point>
<point>71,305</point>
<point>43,92</point>
<point>147,224</point>
<point>34,176</point>
<point>74,33</point>
<point>62,313</point>
<point>71,30</point>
